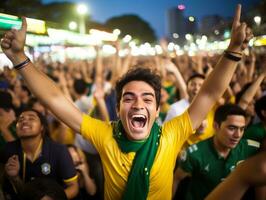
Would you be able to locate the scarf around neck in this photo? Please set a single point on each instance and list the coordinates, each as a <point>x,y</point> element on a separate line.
<point>138,181</point>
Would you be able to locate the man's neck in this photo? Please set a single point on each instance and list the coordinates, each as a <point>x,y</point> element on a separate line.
<point>32,147</point>
<point>190,99</point>
<point>221,149</point>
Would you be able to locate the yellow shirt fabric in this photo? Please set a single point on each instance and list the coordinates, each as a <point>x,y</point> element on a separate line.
<point>208,132</point>
<point>116,165</point>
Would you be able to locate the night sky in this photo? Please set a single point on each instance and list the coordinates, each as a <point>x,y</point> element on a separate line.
<point>154,11</point>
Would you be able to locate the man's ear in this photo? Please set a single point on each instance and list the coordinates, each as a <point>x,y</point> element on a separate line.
<point>117,111</point>
<point>263,113</point>
<point>216,126</point>
<point>158,111</point>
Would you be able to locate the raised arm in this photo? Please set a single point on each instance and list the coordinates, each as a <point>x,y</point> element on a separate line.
<point>251,172</point>
<point>180,82</point>
<point>40,85</point>
<point>219,79</point>
<point>251,91</point>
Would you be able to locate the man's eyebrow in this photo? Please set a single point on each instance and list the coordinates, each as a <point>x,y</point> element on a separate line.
<point>148,94</point>
<point>234,126</point>
<point>128,93</point>
<point>144,94</point>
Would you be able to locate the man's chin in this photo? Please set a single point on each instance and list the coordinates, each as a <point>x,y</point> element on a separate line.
<point>138,136</point>
<point>27,137</point>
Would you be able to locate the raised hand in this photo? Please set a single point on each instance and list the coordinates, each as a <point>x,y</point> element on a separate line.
<point>99,92</point>
<point>240,33</point>
<point>12,166</point>
<point>13,42</point>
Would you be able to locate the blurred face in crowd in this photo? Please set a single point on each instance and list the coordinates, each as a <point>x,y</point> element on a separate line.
<point>229,133</point>
<point>29,125</point>
<point>194,86</point>
<point>164,96</point>
<point>137,109</point>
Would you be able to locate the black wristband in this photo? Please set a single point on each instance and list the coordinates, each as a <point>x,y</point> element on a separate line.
<point>234,52</point>
<point>22,64</point>
<point>231,56</point>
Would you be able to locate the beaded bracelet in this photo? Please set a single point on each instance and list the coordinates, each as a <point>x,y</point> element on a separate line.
<point>22,64</point>
<point>231,56</point>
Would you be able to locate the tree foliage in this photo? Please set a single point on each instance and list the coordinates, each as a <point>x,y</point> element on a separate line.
<point>61,13</point>
<point>21,7</point>
<point>133,25</point>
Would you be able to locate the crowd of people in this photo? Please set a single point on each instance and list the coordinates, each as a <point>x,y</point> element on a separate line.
<point>146,127</point>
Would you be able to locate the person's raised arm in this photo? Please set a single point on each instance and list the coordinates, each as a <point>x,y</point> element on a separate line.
<point>251,172</point>
<point>251,91</point>
<point>40,85</point>
<point>219,79</point>
<point>180,82</point>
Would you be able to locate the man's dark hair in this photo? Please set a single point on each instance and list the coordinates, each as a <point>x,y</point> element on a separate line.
<point>5,100</point>
<point>32,101</point>
<point>140,74</point>
<point>80,86</point>
<point>40,187</point>
<point>196,75</point>
<point>222,112</point>
<point>26,89</point>
<point>260,105</point>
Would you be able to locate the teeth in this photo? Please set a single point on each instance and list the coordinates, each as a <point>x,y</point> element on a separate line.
<point>138,120</point>
<point>138,116</point>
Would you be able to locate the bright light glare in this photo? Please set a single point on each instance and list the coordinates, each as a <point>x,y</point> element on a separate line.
<point>73,25</point>
<point>127,38</point>
<point>181,7</point>
<point>257,20</point>
<point>175,35</point>
<point>82,9</point>
<point>116,32</point>
<point>191,19</point>
<point>188,36</point>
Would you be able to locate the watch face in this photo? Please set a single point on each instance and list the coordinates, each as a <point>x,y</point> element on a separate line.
<point>46,168</point>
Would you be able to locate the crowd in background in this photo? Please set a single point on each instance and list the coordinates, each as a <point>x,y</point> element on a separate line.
<point>87,82</point>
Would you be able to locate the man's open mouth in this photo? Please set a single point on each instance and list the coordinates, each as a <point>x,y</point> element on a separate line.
<point>25,126</point>
<point>138,121</point>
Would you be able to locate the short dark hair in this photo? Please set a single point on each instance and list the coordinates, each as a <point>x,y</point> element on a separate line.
<point>222,112</point>
<point>260,105</point>
<point>147,75</point>
<point>6,100</point>
<point>26,89</point>
<point>79,86</point>
<point>40,187</point>
<point>196,75</point>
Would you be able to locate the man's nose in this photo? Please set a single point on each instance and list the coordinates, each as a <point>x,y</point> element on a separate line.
<point>238,133</point>
<point>138,104</point>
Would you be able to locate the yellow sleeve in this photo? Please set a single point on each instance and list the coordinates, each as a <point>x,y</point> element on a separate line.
<point>95,131</point>
<point>179,128</point>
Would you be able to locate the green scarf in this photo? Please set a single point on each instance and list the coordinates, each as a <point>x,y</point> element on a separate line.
<point>139,177</point>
